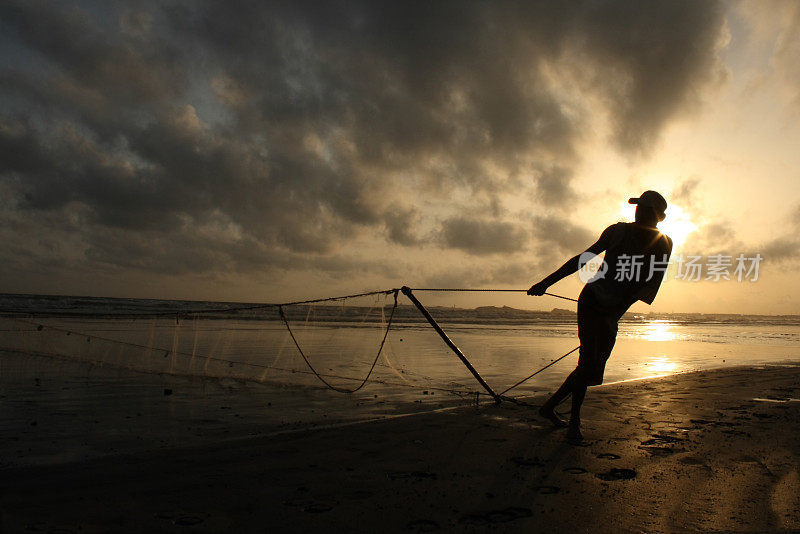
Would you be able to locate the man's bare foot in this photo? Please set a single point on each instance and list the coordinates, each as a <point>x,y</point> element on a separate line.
<point>574,432</point>
<point>552,416</point>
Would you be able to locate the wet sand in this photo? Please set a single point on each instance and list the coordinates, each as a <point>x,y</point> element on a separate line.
<point>712,450</point>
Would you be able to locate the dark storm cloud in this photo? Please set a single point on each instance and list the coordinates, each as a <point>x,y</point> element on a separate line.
<point>400,224</point>
<point>553,185</point>
<point>553,232</point>
<point>504,273</point>
<point>211,135</point>
<point>656,57</point>
<point>97,56</point>
<point>482,237</point>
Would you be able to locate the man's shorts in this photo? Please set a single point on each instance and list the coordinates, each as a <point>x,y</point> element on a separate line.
<point>597,331</point>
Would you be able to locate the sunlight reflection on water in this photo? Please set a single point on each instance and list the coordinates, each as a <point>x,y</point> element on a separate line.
<point>662,364</point>
<point>659,331</point>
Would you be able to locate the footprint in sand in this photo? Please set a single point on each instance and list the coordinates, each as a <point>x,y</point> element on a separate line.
<point>662,445</point>
<point>575,470</point>
<point>188,520</point>
<point>317,508</point>
<point>656,439</point>
<point>692,460</point>
<point>699,423</point>
<point>617,474</point>
<point>609,456</point>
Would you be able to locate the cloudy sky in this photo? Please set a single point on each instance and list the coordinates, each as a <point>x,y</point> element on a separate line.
<point>267,151</point>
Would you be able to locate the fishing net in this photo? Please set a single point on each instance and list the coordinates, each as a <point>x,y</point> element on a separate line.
<point>243,343</point>
<point>373,344</point>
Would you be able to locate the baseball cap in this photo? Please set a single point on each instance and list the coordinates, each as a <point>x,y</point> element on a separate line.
<point>652,199</point>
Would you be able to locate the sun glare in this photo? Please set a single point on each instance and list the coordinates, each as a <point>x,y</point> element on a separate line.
<point>678,224</point>
<point>662,364</point>
<point>659,331</point>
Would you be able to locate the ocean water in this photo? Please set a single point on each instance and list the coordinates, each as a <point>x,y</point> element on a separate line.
<point>181,379</point>
<point>414,358</point>
<point>336,347</point>
<point>341,342</point>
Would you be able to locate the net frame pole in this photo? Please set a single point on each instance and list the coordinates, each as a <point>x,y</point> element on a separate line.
<point>408,293</point>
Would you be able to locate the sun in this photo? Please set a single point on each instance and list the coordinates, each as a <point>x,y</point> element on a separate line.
<point>678,224</point>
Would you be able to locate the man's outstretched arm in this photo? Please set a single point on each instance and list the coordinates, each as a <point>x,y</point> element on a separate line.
<point>571,266</point>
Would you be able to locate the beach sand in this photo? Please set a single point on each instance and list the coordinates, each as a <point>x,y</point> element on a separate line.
<point>713,450</point>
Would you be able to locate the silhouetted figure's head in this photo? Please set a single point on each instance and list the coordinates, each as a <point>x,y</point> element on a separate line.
<point>650,208</point>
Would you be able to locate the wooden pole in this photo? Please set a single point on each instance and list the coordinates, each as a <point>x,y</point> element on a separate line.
<point>407,292</point>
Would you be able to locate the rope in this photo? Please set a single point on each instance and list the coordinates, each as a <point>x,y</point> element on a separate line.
<point>312,301</point>
<point>459,289</point>
<point>311,367</point>
<point>539,371</point>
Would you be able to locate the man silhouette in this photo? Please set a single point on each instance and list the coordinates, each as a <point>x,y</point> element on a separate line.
<point>636,256</point>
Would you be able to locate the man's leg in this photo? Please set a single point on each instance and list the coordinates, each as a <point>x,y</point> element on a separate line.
<point>598,337</point>
<point>589,334</point>
<point>579,388</point>
<point>548,408</point>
